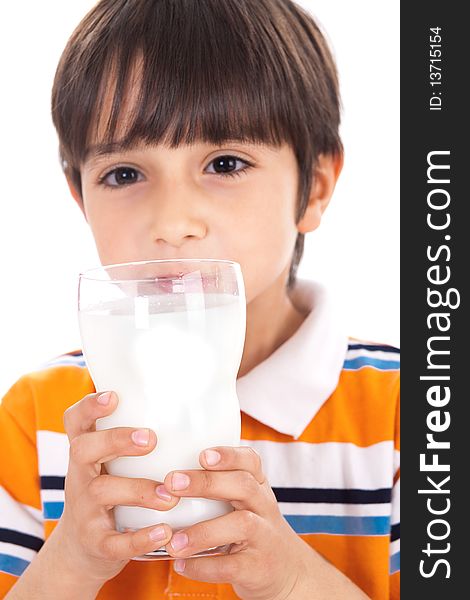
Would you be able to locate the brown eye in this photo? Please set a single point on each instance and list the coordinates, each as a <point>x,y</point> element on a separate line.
<point>121,176</point>
<point>227,166</point>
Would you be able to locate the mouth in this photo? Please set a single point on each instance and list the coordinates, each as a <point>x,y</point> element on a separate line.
<point>170,276</point>
<point>192,281</point>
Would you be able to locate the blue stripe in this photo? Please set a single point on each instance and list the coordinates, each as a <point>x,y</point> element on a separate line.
<point>53,510</point>
<point>12,564</point>
<point>76,363</point>
<point>368,361</point>
<point>339,525</point>
<point>395,563</point>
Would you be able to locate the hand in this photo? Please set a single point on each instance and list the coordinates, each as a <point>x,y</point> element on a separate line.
<point>86,533</point>
<point>267,557</point>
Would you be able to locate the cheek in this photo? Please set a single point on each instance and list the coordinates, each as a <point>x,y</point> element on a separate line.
<point>263,244</point>
<point>112,232</point>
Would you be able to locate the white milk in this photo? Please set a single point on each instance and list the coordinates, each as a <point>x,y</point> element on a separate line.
<point>174,372</point>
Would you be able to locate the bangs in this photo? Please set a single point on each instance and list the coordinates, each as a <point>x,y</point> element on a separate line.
<point>180,72</point>
<point>201,89</point>
<point>180,100</point>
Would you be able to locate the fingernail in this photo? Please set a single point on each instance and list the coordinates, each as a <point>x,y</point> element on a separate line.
<point>179,481</point>
<point>162,493</point>
<point>179,541</point>
<point>179,565</point>
<point>104,398</point>
<point>212,457</point>
<point>157,534</point>
<point>141,437</point>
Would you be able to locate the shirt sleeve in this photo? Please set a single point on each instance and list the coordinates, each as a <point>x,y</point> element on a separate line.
<point>21,520</point>
<point>395,517</point>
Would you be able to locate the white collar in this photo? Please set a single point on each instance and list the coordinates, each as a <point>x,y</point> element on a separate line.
<point>287,389</point>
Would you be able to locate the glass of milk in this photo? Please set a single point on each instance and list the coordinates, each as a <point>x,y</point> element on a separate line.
<point>167,336</point>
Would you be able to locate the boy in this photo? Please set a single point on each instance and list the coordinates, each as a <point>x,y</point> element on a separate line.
<point>209,129</point>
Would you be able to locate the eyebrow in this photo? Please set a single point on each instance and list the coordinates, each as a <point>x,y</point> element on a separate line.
<point>102,150</point>
<point>99,151</point>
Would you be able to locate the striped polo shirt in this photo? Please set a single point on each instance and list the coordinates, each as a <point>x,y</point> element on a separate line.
<point>322,411</point>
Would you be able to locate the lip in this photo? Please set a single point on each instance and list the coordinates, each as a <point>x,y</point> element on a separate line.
<point>178,275</point>
<point>166,270</point>
<point>179,282</point>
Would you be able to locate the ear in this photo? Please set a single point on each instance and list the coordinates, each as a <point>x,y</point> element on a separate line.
<point>326,174</point>
<point>76,196</point>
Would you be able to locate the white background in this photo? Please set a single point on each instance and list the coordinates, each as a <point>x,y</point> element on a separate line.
<point>45,241</point>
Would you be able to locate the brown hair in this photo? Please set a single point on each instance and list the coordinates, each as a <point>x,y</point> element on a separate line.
<point>209,70</point>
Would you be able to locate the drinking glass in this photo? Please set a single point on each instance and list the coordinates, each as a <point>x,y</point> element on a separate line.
<point>167,336</point>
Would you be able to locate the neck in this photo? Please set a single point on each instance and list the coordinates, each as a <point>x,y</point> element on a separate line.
<point>271,319</point>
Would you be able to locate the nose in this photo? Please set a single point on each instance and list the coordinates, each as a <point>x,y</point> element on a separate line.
<point>176,219</point>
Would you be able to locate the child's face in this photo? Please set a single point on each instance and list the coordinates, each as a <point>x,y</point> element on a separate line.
<point>179,204</point>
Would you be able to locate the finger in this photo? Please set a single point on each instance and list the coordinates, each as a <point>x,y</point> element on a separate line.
<point>107,444</point>
<point>82,415</point>
<point>240,527</point>
<point>229,568</point>
<point>124,546</point>
<point>109,491</point>
<point>232,458</point>
<point>239,488</point>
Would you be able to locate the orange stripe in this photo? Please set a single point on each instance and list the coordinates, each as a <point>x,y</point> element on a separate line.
<point>362,410</point>
<point>7,581</point>
<point>19,474</point>
<point>395,586</point>
<point>63,386</point>
<point>140,579</point>
<point>364,560</point>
